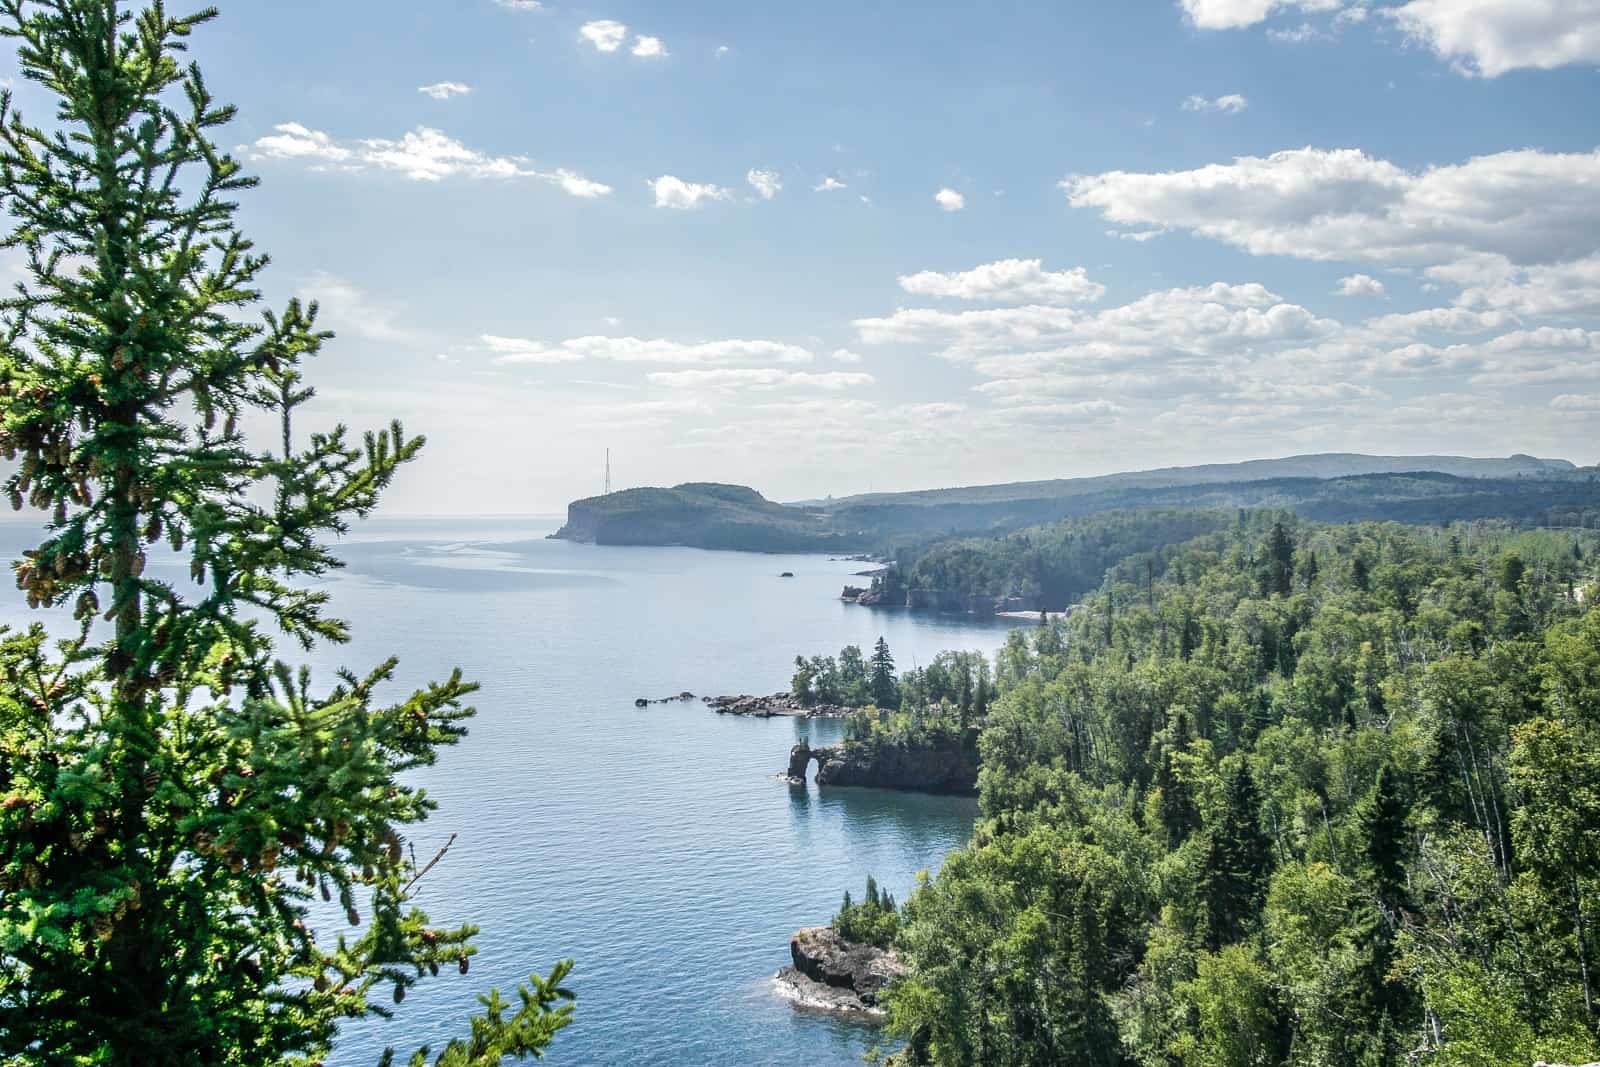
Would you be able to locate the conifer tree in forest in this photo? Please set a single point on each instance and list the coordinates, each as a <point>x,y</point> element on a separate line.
<point>173,797</point>
<point>885,693</point>
<point>1238,863</point>
<point>1279,577</point>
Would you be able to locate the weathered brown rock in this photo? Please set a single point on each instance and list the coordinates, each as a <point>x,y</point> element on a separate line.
<point>799,760</point>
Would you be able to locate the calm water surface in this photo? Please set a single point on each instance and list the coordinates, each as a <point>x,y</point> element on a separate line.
<point>653,845</point>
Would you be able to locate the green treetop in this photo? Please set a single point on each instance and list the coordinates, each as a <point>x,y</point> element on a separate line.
<point>172,795</point>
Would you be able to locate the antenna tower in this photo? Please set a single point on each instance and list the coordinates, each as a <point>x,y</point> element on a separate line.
<point>608,472</point>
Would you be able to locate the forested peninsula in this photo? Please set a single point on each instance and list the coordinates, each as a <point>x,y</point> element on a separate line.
<point>1284,793</point>
<point>1330,487</point>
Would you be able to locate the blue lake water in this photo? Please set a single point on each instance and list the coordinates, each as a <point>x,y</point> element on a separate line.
<point>655,846</point>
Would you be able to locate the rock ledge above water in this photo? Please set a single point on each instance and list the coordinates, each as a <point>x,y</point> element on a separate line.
<point>832,974</point>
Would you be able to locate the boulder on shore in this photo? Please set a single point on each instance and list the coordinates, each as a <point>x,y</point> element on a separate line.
<point>830,973</point>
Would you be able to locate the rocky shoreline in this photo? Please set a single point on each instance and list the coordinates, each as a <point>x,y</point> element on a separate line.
<point>778,704</point>
<point>834,975</point>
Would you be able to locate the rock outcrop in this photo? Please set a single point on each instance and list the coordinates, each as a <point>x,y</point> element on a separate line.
<point>832,974</point>
<point>683,697</point>
<point>943,768</point>
<point>766,707</point>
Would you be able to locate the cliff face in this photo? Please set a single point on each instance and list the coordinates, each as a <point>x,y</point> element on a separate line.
<point>937,768</point>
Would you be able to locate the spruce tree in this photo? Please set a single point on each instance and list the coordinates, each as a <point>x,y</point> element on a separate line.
<point>1238,863</point>
<point>885,691</point>
<point>173,797</point>
<point>1279,577</point>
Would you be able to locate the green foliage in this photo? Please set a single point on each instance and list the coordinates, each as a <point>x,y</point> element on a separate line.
<point>885,690</point>
<point>1251,811</point>
<point>874,921</point>
<point>173,797</point>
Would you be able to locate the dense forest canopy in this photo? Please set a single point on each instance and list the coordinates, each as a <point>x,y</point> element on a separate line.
<point>1296,795</point>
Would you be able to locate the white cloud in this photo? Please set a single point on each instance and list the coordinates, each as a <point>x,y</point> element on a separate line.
<point>766,183</point>
<point>1488,38</point>
<point>1360,285</point>
<point>1237,14</point>
<point>649,47</point>
<point>1232,103</point>
<point>1212,321</point>
<point>1554,289</point>
<point>844,355</point>
<point>576,184</point>
<point>759,378</point>
<point>949,200</point>
<point>294,141</point>
<point>829,184</point>
<point>640,350</point>
<point>1575,402</point>
<point>422,154</point>
<point>606,35</point>
<point>1007,281</point>
<point>445,90</point>
<point>673,192</point>
<point>1301,34</point>
<point>722,50</point>
<point>1527,206</point>
<point>520,5</point>
<point>350,311</point>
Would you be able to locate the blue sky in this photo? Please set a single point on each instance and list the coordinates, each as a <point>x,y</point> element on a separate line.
<point>835,247</point>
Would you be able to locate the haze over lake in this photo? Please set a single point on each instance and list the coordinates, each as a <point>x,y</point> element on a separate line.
<point>654,845</point>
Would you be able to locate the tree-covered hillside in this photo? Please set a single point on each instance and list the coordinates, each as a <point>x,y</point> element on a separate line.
<point>727,516</point>
<point>1309,795</point>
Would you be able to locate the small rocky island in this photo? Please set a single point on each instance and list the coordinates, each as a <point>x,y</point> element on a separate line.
<point>832,974</point>
<point>950,768</point>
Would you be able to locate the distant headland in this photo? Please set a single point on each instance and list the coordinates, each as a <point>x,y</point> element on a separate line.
<point>1328,486</point>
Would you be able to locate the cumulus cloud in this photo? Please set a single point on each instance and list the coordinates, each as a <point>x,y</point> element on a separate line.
<point>1007,281</point>
<point>445,90</point>
<point>759,378</point>
<point>1487,38</point>
<point>766,183</point>
<point>422,154</point>
<point>520,5</point>
<point>844,355</point>
<point>1360,285</point>
<point>673,192</point>
<point>1552,289</point>
<point>829,184</point>
<point>1576,402</point>
<point>641,350</point>
<point>646,47</point>
<point>1237,14</point>
<point>1214,319</point>
<point>949,200</point>
<point>607,35</point>
<point>1231,104</point>
<point>1526,206</point>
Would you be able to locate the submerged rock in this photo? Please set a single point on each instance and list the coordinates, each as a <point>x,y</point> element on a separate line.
<point>830,973</point>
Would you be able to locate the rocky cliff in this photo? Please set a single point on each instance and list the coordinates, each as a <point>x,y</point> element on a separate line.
<point>832,974</point>
<point>947,767</point>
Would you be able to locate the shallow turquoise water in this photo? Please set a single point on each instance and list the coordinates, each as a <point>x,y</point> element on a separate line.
<point>655,846</point>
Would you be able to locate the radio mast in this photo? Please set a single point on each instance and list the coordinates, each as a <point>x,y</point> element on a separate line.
<point>608,472</point>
